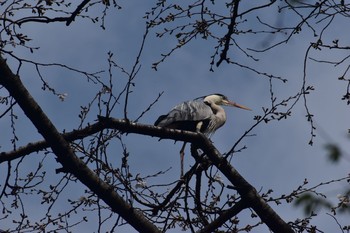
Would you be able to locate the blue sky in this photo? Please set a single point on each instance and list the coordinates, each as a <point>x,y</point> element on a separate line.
<point>277,157</point>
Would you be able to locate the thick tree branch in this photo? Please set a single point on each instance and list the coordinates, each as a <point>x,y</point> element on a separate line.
<point>248,193</point>
<point>66,156</point>
<point>76,12</point>
<point>41,145</point>
<point>224,216</point>
<point>104,123</point>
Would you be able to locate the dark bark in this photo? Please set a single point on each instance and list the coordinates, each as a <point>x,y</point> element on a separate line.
<point>224,216</point>
<point>66,156</point>
<point>249,195</point>
<point>230,31</point>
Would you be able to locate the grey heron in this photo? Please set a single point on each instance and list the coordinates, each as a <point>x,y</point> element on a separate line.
<point>203,114</point>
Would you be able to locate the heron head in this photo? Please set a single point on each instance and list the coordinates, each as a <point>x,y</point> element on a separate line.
<point>220,99</point>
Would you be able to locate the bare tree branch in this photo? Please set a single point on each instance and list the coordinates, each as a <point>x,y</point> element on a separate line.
<point>66,156</point>
<point>230,31</point>
<point>76,12</point>
<point>248,193</point>
<point>224,216</point>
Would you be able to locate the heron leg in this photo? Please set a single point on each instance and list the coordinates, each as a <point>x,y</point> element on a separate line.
<point>182,154</point>
<point>199,126</point>
<point>182,151</point>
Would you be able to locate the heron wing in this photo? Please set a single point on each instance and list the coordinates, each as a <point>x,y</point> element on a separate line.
<point>189,111</point>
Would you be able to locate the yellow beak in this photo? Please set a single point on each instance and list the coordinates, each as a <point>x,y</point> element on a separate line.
<point>233,104</point>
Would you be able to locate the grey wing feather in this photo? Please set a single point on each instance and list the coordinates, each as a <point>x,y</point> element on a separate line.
<point>195,110</point>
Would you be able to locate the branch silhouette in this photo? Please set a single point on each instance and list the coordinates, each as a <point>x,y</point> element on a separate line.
<point>66,156</point>
<point>249,195</point>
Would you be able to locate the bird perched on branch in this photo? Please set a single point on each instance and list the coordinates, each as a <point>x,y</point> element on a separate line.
<point>203,114</point>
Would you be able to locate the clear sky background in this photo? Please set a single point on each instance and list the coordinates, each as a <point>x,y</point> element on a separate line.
<point>277,157</point>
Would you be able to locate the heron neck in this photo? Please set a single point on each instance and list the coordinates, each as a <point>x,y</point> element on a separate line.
<point>219,112</point>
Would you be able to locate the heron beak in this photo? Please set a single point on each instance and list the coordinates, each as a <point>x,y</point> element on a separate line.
<point>233,104</point>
